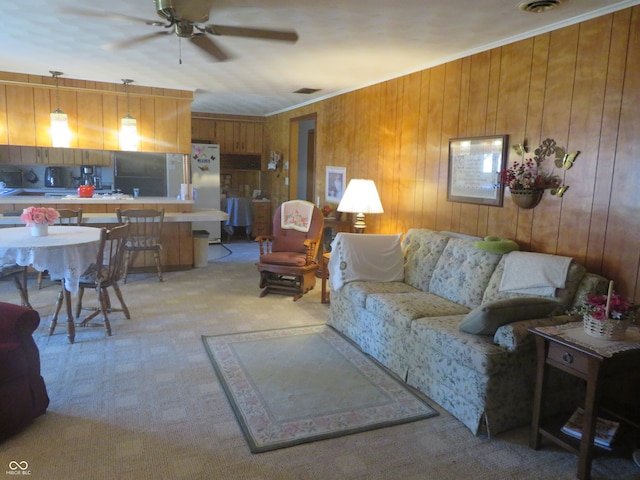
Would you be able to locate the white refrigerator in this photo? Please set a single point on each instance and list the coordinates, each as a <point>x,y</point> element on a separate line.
<point>204,166</point>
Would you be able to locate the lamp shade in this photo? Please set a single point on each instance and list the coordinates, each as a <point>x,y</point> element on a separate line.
<point>128,133</point>
<point>361,196</point>
<point>60,134</point>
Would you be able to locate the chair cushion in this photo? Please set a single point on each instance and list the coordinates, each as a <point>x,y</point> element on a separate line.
<point>485,319</point>
<point>284,258</point>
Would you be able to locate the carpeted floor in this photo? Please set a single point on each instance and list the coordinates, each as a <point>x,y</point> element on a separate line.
<point>295,385</point>
<point>145,404</point>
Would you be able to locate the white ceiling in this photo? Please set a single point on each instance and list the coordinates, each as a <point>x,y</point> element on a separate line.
<point>343,44</point>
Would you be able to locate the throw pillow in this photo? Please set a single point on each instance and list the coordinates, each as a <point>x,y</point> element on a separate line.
<point>485,319</point>
<point>497,245</point>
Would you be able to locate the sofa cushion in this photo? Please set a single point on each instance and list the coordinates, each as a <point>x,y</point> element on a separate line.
<point>485,319</point>
<point>357,292</point>
<point>422,249</point>
<point>463,272</point>
<point>442,336</point>
<point>564,296</point>
<point>403,308</point>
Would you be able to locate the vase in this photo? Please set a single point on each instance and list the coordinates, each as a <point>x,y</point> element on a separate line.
<point>39,230</point>
<point>527,198</point>
<point>605,329</point>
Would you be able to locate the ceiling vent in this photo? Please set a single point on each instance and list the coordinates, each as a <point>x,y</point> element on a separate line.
<point>307,91</point>
<point>538,6</point>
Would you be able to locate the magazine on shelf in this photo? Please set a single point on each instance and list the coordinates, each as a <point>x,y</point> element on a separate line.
<point>605,429</point>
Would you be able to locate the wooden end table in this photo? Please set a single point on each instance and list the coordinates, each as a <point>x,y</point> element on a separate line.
<point>582,362</point>
<point>324,294</point>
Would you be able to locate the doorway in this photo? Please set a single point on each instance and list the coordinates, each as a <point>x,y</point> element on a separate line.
<point>302,168</point>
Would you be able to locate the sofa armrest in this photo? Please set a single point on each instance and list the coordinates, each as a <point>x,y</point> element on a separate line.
<point>17,322</point>
<point>516,335</point>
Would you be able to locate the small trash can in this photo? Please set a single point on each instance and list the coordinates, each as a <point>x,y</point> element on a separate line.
<point>200,248</point>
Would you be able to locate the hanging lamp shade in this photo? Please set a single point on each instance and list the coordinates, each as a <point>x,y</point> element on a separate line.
<point>128,133</point>
<point>60,134</point>
<point>128,125</point>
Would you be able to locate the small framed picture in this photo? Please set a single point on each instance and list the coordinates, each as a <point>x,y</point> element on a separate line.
<point>475,164</point>
<point>335,183</point>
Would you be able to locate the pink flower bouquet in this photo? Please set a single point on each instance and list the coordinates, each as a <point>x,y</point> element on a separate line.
<point>39,215</point>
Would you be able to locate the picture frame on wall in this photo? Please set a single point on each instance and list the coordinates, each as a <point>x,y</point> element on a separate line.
<point>335,182</point>
<point>475,164</point>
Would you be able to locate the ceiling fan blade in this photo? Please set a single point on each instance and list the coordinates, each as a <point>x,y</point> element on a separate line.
<point>207,45</point>
<point>133,41</point>
<point>249,32</point>
<point>89,12</point>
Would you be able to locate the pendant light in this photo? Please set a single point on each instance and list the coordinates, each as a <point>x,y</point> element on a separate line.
<point>60,135</point>
<point>128,125</point>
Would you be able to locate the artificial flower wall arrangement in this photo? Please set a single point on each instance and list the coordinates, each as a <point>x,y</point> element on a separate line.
<point>527,180</point>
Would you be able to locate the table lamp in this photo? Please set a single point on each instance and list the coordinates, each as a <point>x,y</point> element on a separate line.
<point>360,197</point>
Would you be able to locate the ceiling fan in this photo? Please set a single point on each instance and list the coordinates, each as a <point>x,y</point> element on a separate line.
<point>187,19</point>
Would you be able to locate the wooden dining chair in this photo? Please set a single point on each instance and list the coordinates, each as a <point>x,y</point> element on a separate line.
<point>18,274</point>
<point>145,235</point>
<point>104,273</point>
<point>67,217</point>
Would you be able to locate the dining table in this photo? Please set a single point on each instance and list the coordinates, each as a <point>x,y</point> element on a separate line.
<point>66,253</point>
<point>240,214</point>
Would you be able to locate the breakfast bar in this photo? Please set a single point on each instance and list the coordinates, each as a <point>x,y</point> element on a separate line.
<point>100,211</point>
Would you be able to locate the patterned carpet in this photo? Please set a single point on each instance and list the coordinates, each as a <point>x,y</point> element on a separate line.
<point>145,403</point>
<point>296,385</point>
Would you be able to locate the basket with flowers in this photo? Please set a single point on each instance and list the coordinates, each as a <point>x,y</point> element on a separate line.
<point>606,316</point>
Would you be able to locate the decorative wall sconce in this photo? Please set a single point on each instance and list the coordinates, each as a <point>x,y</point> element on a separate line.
<point>60,134</point>
<point>527,181</point>
<point>128,125</point>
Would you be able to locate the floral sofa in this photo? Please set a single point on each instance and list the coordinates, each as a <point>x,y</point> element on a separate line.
<point>411,321</point>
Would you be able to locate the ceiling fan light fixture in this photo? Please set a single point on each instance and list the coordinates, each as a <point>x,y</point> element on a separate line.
<point>539,6</point>
<point>128,125</point>
<point>60,134</point>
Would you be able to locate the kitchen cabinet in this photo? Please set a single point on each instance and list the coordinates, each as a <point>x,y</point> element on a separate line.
<point>233,136</point>
<point>94,110</point>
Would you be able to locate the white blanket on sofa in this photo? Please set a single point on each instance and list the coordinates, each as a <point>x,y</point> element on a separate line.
<point>534,273</point>
<point>358,256</point>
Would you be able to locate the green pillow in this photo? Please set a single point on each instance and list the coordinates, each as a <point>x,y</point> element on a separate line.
<point>498,245</point>
<point>485,319</point>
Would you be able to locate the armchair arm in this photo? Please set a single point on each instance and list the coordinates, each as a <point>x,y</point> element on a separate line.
<point>17,322</point>
<point>310,245</point>
<point>265,241</point>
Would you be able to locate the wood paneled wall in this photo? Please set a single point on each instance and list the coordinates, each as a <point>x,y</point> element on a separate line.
<point>94,110</point>
<point>579,85</point>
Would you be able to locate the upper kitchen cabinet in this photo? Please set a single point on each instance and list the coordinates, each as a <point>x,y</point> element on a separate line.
<point>234,133</point>
<point>94,110</point>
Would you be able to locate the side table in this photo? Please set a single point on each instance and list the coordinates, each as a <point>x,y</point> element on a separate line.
<point>555,351</point>
<point>324,294</point>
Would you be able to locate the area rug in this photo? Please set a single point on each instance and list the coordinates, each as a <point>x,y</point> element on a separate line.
<point>298,385</point>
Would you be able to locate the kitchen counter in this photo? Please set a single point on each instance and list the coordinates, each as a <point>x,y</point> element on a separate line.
<point>74,200</point>
<point>177,233</point>
<point>197,215</point>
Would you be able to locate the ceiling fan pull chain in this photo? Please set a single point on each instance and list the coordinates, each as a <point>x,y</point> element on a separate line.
<point>180,50</point>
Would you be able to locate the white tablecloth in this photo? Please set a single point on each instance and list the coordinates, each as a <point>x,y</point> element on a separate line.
<point>65,253</point>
